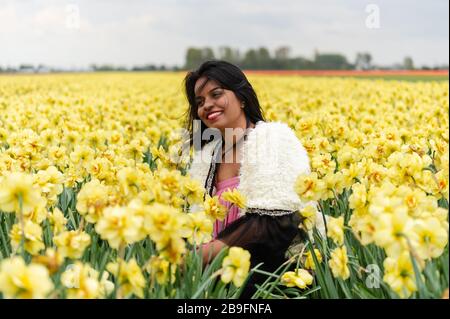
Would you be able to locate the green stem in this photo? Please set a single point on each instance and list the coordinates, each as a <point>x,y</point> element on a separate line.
<point>22,226</point>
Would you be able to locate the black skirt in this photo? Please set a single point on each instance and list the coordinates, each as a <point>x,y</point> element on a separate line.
<point>266,237</point>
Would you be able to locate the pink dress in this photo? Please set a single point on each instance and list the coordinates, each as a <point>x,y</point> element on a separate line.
<point>233,213</point>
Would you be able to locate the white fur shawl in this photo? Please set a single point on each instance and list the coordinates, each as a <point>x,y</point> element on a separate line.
<point>272,159</point>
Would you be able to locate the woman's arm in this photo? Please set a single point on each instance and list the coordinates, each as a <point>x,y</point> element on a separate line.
<point>211,249</point>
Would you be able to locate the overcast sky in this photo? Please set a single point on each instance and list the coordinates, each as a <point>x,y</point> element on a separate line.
<point>78,33</point>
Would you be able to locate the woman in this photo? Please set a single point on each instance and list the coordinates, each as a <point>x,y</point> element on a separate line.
<point>236,148</point>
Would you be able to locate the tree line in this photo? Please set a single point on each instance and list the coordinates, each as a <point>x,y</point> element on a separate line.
<point>252,59</point>
<point>281,59</point>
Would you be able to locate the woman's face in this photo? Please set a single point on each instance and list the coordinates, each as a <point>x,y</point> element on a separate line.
<point>217,107</point>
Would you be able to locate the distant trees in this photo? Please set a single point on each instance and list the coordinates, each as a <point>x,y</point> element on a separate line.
<point>408,63</point>
<point>262,59</point>
<point>363,61</point>
<point>252,59</point>
<point>195,56</point>
<point>331,61</point>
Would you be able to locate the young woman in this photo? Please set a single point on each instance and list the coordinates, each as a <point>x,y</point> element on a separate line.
<point>236,148</point>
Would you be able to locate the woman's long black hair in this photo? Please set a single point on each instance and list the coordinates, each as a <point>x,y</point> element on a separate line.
<point>230,77</point>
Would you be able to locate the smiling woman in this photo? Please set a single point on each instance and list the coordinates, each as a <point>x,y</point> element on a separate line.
<point>220,87</point>
<point>265,161</point>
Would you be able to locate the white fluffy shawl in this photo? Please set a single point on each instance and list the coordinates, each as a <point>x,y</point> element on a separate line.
<point>272,158</point>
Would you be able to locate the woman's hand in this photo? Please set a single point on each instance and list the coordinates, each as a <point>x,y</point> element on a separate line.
<point>211,249</point>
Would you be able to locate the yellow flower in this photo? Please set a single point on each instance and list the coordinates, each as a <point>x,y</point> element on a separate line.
<point>399,274</point>
<point>309,187</point>
<point>392,231</point>
<point>172,248</point>
<point>430,238</point>
<point>235,266</point>
<point>118,225</point>
<point>38,213</point>
<point>33,237</point>
<point>300,278</point>
<point>91,200</point>
<point>335,229</point>
<point>363,227</point>
<point>57,220</point>
<point>170,180</point>
<point>164,221</point>
<point>130,279</point>
<point>442,180</point>
<point>385,199</point>
<point>82,155</point>
<point>338,263</point>
<point>129,180</point>
<point>358,197</point>
<point>201,228</point>
<point>158,268</point>
<point>17,193</point>
<point>193,191</point>
<point>83,282</point>
<point>52,260</point>
<point>309,262</point>
<point>414,199</point>
<point>50,182</point>
<point>214,209</point>
<point>18,280</point>
<point>233,196</point>
<point>323,164</point>
<point>308,214</point>
<point>72,243</point>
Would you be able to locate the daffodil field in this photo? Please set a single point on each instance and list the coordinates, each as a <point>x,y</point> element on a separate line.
<point>92,206</point>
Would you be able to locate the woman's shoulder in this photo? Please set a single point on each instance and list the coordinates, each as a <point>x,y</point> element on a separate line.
<point>278,132</point>
<point>282,142</point>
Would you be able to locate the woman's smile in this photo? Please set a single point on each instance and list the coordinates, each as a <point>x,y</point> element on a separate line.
<point>213,116</point>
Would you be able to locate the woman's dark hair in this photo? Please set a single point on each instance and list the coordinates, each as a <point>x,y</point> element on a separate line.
<point>230,77</point>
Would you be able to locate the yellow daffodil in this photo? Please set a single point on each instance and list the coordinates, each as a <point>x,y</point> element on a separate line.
<point>83,282</point>
<point>17,193</point>
<point>399,274</point>
<point>193,191</point>
<point>213,208</point>
<point>72,243</point>
<point>234,197</point>
<point>309,187</point>
<point>119,226</point>
<point>300,278</point>
<point>308,214</point>
<point>335,229</point>
<point>358,198</point>
<point>235,266</point>
<point>338,263</point>
<point>32,235</point>
<point>309,261</point>
<point>57,220</point>
<point>129,276</point>
<point>158,268</point>
<point>430,238</point>
<point>18,280</point>
<point>200,228</point>
<point>91,200</point>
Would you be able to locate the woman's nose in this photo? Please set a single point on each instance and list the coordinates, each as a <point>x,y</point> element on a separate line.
<point>208,104</point>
